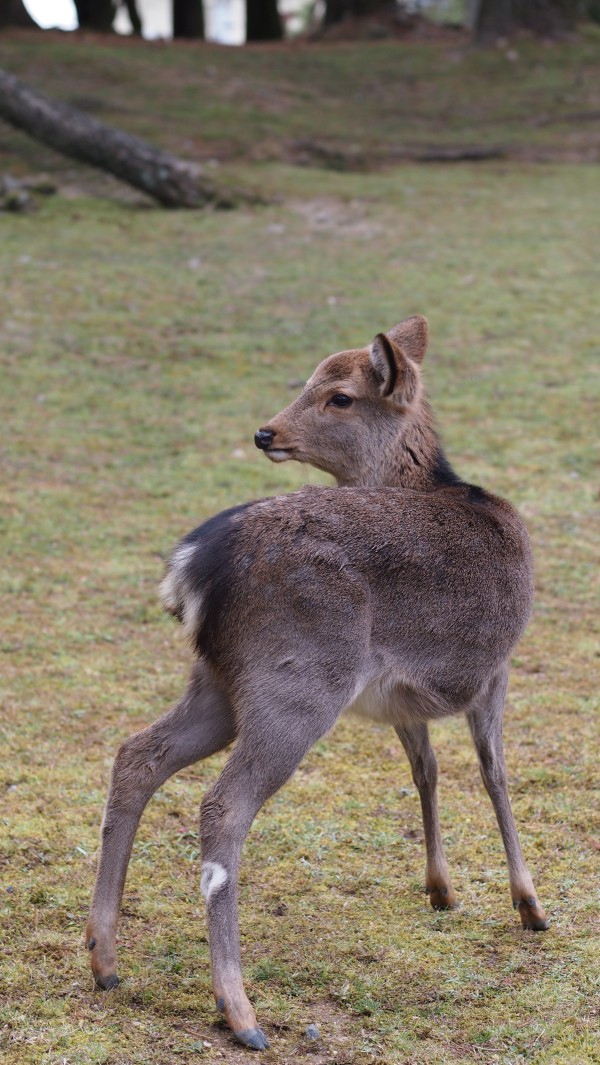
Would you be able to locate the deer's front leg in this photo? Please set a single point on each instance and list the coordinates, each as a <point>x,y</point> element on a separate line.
<point>485,722</point>
<point>423,763</point>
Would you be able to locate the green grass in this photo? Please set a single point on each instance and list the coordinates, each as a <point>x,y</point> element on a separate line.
<point>365,105</point>
<point>140,350</point>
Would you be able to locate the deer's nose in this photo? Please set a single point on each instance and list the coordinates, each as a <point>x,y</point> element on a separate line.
<point>263,438</point>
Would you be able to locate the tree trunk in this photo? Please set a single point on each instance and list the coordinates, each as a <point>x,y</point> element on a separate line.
<point>97,15</point>
<point>263,22</point>
<point>171,181</point>
<point>499,18</point>
<point>188,18</point>
<point>335,11</point>
<point>14,13</point>
<point>134,17</point>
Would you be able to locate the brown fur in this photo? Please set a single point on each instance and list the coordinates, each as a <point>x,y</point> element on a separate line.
<point>398,595</point>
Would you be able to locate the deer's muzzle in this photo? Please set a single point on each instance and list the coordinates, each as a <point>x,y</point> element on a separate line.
<point>263,438</point>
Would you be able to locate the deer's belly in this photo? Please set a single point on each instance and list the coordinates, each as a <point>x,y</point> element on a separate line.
<point>393,700</point>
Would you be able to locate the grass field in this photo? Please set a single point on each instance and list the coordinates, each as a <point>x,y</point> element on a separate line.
<point>140,350</point>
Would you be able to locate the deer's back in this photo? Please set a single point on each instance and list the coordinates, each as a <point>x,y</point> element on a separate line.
<point>434,587</point>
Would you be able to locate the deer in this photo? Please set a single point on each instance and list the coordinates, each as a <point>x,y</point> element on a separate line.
<point>397,594</point>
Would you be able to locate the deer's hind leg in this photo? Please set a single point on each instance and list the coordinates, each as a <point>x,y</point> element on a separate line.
<point>277,732</point>
<point>485,722</point>
<point>423,763</point>
<point>199,725</point>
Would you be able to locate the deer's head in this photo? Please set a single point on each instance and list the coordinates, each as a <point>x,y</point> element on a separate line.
<point>351,413</point>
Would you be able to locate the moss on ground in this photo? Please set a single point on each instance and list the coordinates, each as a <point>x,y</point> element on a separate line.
<point>140,349</point>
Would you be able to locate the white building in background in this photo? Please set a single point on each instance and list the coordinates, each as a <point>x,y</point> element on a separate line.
<point>225,21</point>
<point>224,18</point>
<point>53,14</point>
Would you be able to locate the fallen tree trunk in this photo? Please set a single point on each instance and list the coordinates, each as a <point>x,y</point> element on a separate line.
<point>171,181</point>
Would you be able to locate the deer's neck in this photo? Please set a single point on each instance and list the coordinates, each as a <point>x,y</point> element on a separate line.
<point>413,459</point>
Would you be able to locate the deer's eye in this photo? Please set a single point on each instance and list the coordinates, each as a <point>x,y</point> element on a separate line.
<point>340,400</point>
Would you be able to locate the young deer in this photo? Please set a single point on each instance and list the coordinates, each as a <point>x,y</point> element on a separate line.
<point>398,595</point>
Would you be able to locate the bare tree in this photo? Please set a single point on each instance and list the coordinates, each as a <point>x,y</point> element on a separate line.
<point>134,17</point>
<point>14,13</point>
<point>188,19</point>
<point>97,15</point>
<point>263,21</point>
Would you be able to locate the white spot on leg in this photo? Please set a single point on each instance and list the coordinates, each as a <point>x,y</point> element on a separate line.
<point>212,878</point>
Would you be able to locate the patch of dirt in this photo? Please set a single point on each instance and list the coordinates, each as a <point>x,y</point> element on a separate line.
<point>327,214</point>
<point>288,1045</point>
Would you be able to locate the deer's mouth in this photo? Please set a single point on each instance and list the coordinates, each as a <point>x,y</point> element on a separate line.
<point>278,454</point>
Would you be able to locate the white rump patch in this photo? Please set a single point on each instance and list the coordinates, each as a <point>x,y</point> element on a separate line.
<point>174,587</point>
<point>192,614</point>
<point>212,878</point>
<point>168,590</point>
<point>182,555</point>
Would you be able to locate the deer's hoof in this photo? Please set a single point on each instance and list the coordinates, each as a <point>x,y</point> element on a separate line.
<point>254,1038</point>
<point>107,983</point>
<point>532,915</point>
<point>442,897</point>
<point>104,974</point>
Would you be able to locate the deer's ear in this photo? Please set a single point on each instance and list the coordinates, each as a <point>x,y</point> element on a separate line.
<point>397,377</point>
<point>411,335</point>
